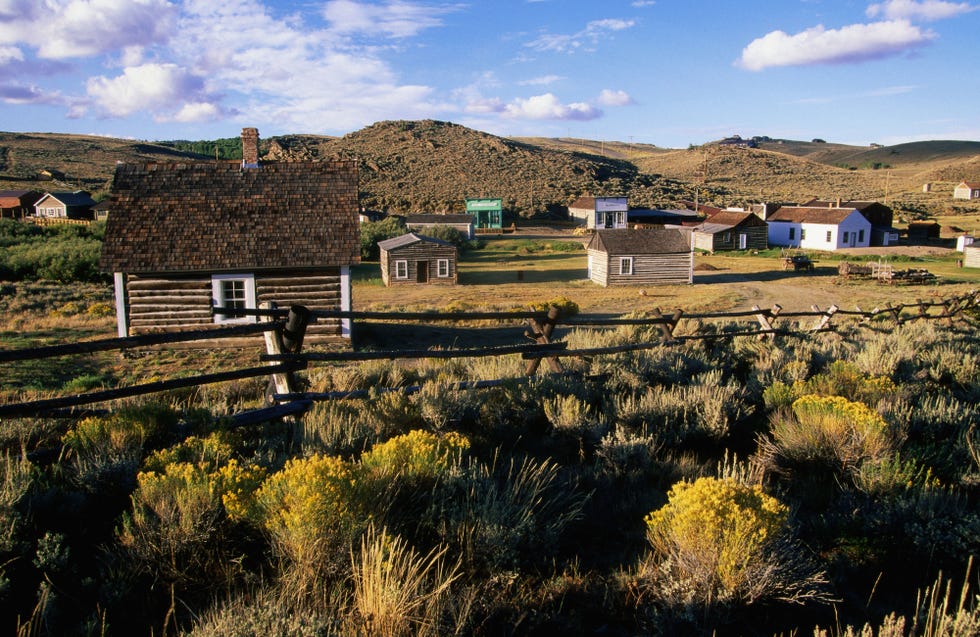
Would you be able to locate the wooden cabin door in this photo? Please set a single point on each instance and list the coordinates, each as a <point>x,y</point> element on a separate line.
<point>422,272</point>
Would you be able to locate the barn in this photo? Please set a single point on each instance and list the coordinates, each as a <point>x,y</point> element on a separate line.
<point>413,259</point>
<point>646,256</point>
<point>185,237</point>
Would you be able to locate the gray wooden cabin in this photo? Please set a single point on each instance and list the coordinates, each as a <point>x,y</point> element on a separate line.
<point>416,259</point>
<point>647,256</point>
<point>462,223</point>
<point>731,230</point>
<point>184,237</point>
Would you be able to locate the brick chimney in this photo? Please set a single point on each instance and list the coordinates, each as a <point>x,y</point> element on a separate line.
<point>250,148</point>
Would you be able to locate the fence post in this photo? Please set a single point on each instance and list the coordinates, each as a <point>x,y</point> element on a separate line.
<point>667,328</point>
<point>541,334</point>
<point>825,319</point>
<point>282,383</point>
<point>764,319</point>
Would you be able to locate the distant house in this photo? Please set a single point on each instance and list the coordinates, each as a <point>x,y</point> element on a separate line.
<point>17,204</point>
<point>488,214</point>
<point>462,223</point>
<point>100,211</point>
<point>729,230</point>
<point>185,237</point>
<point>413,258</point>
<point>65,205</point>
<point>880,216</point>
<point>971,257</point>
<point>967,190</point>
<point>647,217</point>
<point>819,228</point>
<point>599,212</point>
<point>648,256</point>
<point>47,174</point>
<point>923,231</point>
<point>371,216</point>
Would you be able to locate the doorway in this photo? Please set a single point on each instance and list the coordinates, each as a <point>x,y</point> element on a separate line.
<point>422,272</point>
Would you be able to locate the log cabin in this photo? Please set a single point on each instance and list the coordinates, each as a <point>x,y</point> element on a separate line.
<point>645,256</point>
<point>730,230</point>
<point>186,237</point>
<point>414,259</point>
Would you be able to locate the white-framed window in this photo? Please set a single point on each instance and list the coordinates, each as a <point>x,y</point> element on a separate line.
<point>401,269</point>
<point>802,234</point>
<point>830,236</point>
<point>442,268</point>
<point>843,238</point>
<point>620,217</point>
<point>233,291</point>
<point>626,265</point>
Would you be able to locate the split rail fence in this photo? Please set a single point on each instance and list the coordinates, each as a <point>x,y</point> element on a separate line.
<point>284,329</point>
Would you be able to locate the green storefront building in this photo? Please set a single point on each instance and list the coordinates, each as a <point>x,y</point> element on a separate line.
<point>488,214</point>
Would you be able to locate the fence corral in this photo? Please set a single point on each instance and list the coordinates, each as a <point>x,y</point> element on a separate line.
<point>284,331</point>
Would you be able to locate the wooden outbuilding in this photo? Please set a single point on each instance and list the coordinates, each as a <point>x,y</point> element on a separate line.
<point>728,230</point>
<point>17,204</point>
<point>462,223</point>
<point>923,231</point>
<point>971,256</point>
<point>416,259</point>
<point>967,190</point>
<point>647,256</point>
<point>183,238</point>
<point>599,212</point>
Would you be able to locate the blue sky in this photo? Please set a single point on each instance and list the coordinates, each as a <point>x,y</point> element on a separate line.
<point>664,72</point>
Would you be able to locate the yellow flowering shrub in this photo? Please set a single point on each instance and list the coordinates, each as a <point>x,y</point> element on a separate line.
<point>238,484</point>
<point>841,378</point>
<point>121,431</point>
<point>310,505</point>
<point>417,455</point>
<point>715,534</point>
<point>211,452</point>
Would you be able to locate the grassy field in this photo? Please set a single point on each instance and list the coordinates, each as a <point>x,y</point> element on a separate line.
<point>515,273</point>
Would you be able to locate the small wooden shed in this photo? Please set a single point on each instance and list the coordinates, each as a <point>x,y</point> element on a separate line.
<point>729,230</point>
<point>462,223</point>
<point>923,231</point>
<point>971,256</point>
<point>183,238</point>
<point>416,259</point>
<point>646,256</point>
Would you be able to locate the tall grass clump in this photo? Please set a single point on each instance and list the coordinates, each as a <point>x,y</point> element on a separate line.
<point>399,592</point>
<point>717,544</point>
<point>937,613</point>
<point>826,439</point>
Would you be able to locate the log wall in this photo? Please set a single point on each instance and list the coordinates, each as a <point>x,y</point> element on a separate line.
<point>414,254</point>
<point>648,269</point>
<point>172,304</point>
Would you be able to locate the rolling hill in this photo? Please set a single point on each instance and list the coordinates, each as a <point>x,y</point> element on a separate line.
<point>431,166</point>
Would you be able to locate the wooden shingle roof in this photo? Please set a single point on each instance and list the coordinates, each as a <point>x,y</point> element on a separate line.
<point>728,219</point>
<point>800,214</point>
<point>642,241</point>
<point>408,239</point>
<point>213,217</point>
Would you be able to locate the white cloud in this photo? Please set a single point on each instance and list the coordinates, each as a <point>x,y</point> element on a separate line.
<point>195,112</point>
<point>395,18</point>
<point>484,105</point>
<point>82,28</point>
<point>854,43</point>
<point>548,106</point>
<point>614,98</point>
<point>639,4</point>
<point>544,80</point>
<point>592,34</point>
<point>10,54</point>
<point>918,10</point>
<point>161,89</point>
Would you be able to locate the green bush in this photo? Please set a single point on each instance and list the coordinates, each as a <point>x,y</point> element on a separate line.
<point>374,231</point>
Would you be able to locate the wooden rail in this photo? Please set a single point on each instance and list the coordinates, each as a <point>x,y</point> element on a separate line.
<point>285,327</point>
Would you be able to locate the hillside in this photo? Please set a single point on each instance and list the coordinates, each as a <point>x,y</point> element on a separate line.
<point>429,166</point>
